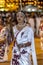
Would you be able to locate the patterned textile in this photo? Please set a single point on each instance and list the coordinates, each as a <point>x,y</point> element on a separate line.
<point>2,50</point>
<point>3,43</point>
<point>22,56</point>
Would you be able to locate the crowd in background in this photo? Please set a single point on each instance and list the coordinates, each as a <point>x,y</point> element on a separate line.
<point>8,21</point>
<point>33,18</point>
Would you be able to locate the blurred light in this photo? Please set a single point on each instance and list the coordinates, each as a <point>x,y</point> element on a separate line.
<point>34,10</point>
<point>2,9</point>
<point>29,10</point>
<point>14,4</point>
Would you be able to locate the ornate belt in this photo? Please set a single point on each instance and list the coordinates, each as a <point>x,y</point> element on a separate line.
<point>24,45</point>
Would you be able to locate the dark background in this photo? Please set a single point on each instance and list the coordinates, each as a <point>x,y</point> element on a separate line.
<point>40,0</point>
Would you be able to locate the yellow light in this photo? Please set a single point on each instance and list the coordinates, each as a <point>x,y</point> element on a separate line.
<point>38,2</point>
<point>2,9</point>
<point>12,1</point>
<point>6,9</point>
<point>2,3</point>
<point>38,6</point>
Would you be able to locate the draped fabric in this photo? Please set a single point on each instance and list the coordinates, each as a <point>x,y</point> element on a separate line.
<point>22,56</point>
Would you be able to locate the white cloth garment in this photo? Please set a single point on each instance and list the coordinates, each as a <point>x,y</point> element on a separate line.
<point>38,19</point>
<point>31,21</point>
<point>24,36</point>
